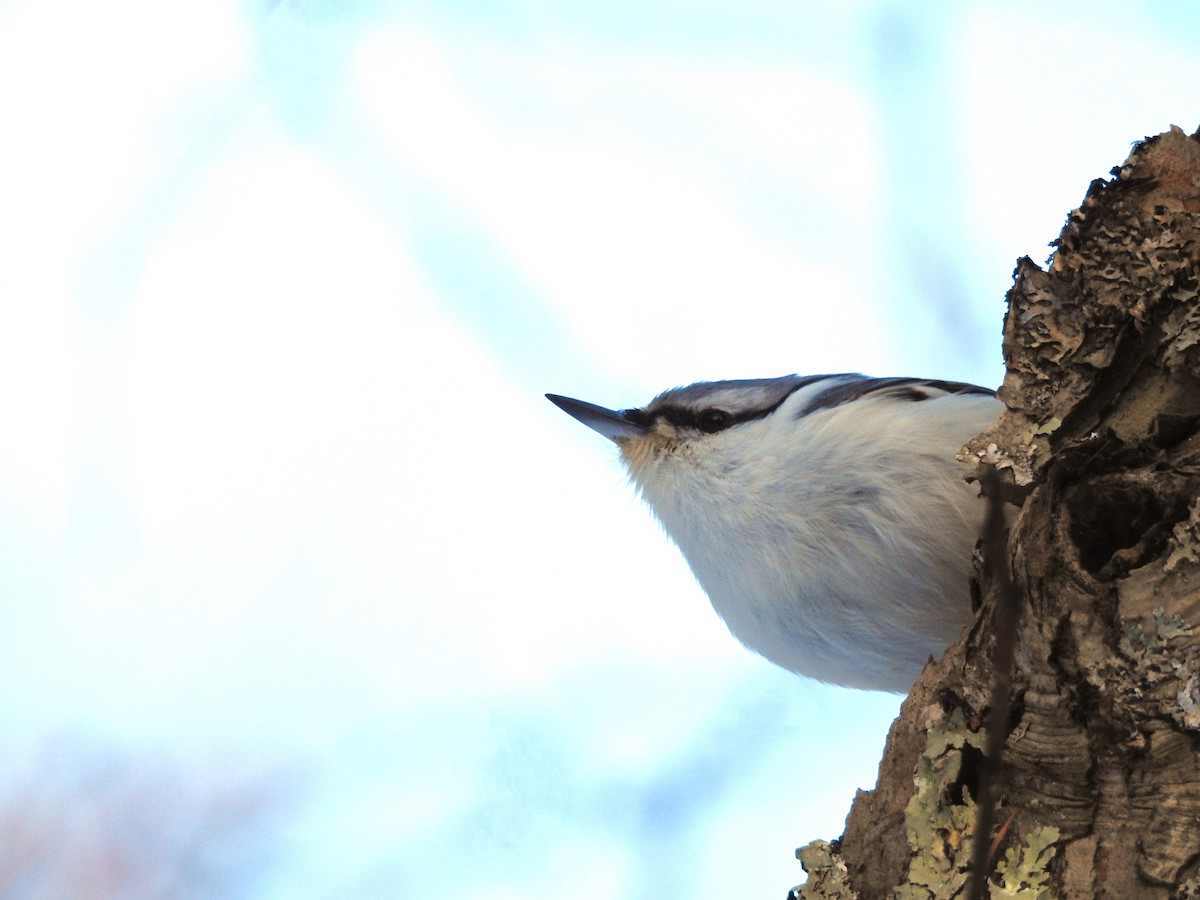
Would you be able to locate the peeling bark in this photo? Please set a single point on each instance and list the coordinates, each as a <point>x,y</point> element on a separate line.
<point>1100,447</point>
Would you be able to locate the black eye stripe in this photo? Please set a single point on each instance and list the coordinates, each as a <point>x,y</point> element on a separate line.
<point>682,417</point>
<point>687,417</point>
<point>638,417</point>
<point>710,421</point>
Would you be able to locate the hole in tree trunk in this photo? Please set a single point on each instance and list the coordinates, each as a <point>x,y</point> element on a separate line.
<point>1114,522</point>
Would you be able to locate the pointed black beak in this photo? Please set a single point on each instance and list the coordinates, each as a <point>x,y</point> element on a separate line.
<point>611,423</point>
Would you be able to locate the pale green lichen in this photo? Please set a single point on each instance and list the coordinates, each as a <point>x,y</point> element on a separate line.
<point>1022,872</point>
<point>1048,427</point>
<point>1149,647</point>
<point>940,833</point>
<point>827,875</point>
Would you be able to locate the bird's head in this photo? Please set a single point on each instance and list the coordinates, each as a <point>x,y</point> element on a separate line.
<point>685,423</point>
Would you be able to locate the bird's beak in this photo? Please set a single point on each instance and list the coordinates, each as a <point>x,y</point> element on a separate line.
<point>608,422</point>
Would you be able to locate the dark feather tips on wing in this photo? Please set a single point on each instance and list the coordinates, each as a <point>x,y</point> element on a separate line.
<point>741,400</point>
<point>755,398</point>
<point>846,388</point>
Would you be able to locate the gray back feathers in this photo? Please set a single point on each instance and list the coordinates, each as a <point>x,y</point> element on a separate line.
<point>754,398</point>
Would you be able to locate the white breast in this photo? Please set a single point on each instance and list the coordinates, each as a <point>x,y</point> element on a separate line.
<point>837,545</point>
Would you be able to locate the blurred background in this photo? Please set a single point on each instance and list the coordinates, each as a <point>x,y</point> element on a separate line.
<point>305,590</point>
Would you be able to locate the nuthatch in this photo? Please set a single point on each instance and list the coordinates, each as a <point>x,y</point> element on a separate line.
<point>825,516</point>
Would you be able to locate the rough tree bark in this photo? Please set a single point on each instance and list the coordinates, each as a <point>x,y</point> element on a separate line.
<point>1100,447</point>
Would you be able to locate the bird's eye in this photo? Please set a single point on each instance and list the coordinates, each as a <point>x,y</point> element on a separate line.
<point>713,420</point>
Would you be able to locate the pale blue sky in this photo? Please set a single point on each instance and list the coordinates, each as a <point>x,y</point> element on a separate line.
<point>281,504</point>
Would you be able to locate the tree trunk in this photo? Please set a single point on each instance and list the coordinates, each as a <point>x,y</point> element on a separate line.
<point>1099,783</point>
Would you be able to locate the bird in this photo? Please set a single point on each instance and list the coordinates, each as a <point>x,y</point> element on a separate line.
<point>827,517</point>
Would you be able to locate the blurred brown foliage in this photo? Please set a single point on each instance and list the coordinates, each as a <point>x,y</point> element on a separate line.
<point>86,823</point>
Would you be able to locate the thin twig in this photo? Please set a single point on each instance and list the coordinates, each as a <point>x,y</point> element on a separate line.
<point>994,849</point>
<point>1004,627</point>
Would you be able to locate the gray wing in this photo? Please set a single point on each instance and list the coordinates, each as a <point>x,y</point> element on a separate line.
<point>845,388</point>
